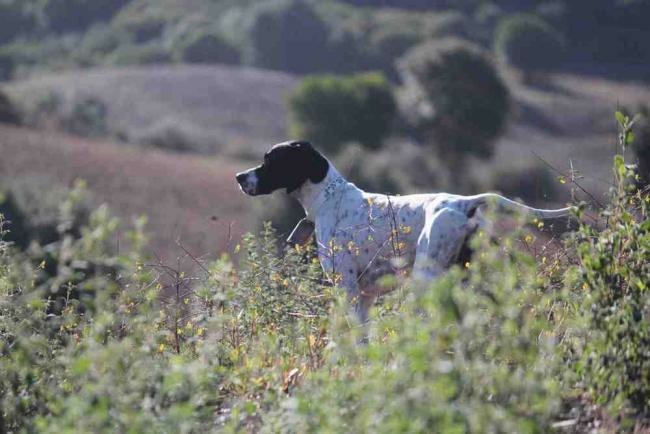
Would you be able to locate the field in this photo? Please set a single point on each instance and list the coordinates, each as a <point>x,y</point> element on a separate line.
<point>189,198</point>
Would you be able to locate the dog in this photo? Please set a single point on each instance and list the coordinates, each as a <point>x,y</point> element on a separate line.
<point>363,236</point>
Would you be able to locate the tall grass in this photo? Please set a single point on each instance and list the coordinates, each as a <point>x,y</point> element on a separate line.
<point>92,340</point>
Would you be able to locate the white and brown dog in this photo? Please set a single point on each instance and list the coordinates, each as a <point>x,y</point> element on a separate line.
<point>362,236</point>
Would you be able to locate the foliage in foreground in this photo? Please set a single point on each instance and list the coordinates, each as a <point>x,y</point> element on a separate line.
<point>111,342</point>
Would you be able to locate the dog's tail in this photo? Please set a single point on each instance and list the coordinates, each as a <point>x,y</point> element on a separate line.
<point>507,204</point>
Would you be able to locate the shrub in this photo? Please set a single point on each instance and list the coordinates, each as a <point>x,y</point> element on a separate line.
<point>331,110</point>
<point>207,48</point>
<point>530,182</point>
<point>8,112</point>
<point>613,270</point>
<point>454,99</point>
<point>31,206</point>
<point>145,54</point>
<point>529,43</point>
<point>75,15</point>
<point>446,358</point>
<point>287,36</point>
<point>170,135</point>
<point>100,40</point>
<point>15,19</point>
<point>87,117</point>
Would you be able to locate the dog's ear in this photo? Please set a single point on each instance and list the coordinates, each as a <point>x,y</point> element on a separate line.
<point>311,166</point>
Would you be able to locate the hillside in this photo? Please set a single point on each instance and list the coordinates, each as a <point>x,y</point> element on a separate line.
<point>214,107</point>
<point>239,111</point>
<point>190,198</point>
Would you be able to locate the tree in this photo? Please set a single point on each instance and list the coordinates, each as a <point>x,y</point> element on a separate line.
<point>207,48</point>
<point>8,112</point>
<point>289,36</point>
<point>529,43</point>
<point>75,15</point>
<point>331,110</point>
<point>454,99</point>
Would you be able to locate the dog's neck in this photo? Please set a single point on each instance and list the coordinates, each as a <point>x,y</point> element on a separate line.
<point>312,196</point>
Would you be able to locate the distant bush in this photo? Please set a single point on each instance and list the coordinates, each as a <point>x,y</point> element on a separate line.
<point>141,27</point>
<point>32,207</point>
<point>529,43</point>
<point>331,110</point>
<point>144,54</point>
<point>531,182</point>
<point>207,48</point>
<point>75,15</point>
<point>15,19</point>
<point>169,135</point>
<point>287,35</point>
<point>99,40</point>
<point>86,117</point>
<point>454,98</point>
<point>367,170</point>
<point>9,114</point>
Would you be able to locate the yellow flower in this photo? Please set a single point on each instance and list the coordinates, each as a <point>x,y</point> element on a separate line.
<point>237,248</point>
<point>161,348</point>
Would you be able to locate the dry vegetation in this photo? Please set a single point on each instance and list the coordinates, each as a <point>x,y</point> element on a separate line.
<point>181,195</point>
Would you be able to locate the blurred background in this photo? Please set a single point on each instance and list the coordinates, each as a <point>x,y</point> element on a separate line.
<point>157,103</point>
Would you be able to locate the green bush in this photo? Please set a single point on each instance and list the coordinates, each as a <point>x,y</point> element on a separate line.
<point>331,110</point>
<point>75,15</point>
<point>15,19</point>
<point>454,98</point>
<point>32,207</point>
<point>87,117</point>
<point>287,35</point>
<point>529,43</point>
<point>144,54</point>
<point>531,182</point>
<point>9,114</point>
<point>207,48</point>
<point>614,260</point>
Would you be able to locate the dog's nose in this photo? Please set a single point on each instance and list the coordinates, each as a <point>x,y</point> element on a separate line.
<point>241,177</point>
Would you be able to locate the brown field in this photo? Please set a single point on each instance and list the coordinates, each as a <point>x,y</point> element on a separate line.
<point>190,198</point>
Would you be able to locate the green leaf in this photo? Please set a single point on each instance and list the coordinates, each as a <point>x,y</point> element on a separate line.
<point>621,118</point>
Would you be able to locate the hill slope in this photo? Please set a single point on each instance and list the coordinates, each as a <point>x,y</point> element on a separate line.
<point>216,106</point>
<point>189,198</point>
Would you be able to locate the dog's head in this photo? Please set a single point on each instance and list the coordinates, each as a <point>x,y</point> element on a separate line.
<point>286,165</point>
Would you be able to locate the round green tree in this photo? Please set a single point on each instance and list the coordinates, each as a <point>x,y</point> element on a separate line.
<point>528,43</point>
<point>454,99</point>
<point>287,35</point>
<point>331,110</point>
<point>207,48</point>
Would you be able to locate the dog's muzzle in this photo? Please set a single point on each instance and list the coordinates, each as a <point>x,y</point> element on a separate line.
<point>247,182</point>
